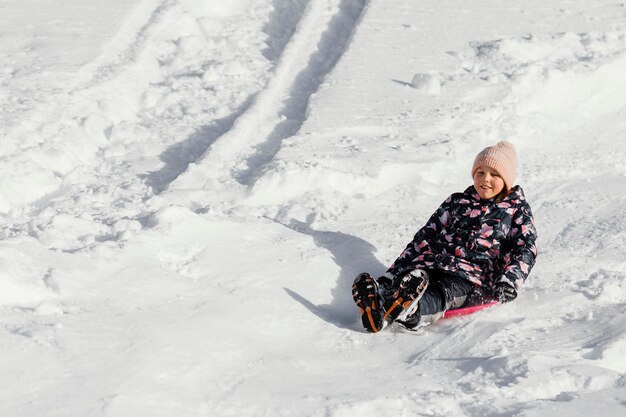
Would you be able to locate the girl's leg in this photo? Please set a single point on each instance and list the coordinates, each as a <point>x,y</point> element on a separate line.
<point>444,292</point>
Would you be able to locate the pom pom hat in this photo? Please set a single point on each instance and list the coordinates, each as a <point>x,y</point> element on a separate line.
<point>500,157</point>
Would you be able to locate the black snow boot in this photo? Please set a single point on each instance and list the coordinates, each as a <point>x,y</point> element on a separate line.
<point>365,295</point>
<point>404,301</point>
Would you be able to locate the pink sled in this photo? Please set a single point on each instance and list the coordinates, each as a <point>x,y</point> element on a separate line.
<point>467,310</point>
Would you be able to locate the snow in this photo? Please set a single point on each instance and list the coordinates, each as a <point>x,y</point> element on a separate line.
<point>188,188</point>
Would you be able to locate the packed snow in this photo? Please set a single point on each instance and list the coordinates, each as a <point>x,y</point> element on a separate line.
<point>188,189</point>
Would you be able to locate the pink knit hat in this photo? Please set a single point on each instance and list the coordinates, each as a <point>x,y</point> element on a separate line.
<point>500,157</point>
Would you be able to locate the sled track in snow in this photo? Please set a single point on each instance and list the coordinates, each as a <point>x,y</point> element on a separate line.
<point>331,47</point>
<point>239,156</point>
<point>280,27</point>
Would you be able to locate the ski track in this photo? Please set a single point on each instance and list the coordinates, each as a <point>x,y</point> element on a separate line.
<point>330,48</point>
<point>280,109</point>
<point>279,28</point>
<point>177,157</point>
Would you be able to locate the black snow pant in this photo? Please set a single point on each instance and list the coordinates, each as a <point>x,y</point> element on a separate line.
<point>444,292</point>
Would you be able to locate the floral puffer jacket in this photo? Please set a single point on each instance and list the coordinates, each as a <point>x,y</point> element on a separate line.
<point>480,240</point>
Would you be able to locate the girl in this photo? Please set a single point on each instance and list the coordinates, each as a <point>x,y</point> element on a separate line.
<point>479,245</point>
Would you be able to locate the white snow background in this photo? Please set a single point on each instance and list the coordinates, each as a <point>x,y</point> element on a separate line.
<point>188,188</point>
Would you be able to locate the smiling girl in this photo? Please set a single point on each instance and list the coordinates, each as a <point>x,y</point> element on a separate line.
<point>478,246</point>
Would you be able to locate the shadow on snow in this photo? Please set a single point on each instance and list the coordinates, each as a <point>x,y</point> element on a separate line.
<point>353,255</point>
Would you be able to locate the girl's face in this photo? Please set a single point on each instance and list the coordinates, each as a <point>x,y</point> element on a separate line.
<point>487,182</point>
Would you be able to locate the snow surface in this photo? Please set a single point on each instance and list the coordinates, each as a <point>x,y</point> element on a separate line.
<point>188,188</point>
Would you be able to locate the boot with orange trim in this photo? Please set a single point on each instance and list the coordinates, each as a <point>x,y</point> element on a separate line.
<point>367,299</point>
<point>404,301</point>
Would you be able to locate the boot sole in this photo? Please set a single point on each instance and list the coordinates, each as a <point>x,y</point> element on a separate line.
<point>365,295</point>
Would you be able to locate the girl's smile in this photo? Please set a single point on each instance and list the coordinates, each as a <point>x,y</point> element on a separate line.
<point>487,182</point>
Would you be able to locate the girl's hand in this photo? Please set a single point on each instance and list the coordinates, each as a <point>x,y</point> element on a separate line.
<point>504,291</point>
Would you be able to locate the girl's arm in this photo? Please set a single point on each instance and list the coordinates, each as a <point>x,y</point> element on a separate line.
<point>520,260</point>
<point>433,226</point>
